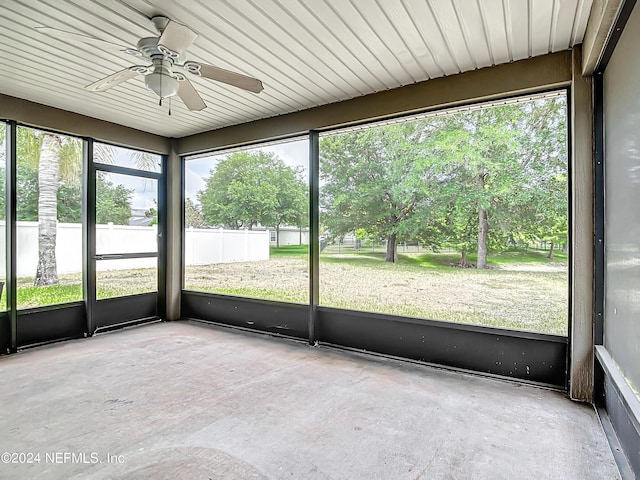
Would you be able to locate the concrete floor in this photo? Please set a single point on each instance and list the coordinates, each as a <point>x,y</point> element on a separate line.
<point>186,401</point>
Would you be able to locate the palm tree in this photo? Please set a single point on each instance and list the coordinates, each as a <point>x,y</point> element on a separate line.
<point>48,180</point>
<point>57,158</point>
<point>61,158</point>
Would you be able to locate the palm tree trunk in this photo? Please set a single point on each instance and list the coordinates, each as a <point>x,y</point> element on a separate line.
<point>47,272</point>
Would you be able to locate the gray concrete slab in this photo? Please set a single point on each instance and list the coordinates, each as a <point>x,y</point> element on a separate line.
<point>186,401</point>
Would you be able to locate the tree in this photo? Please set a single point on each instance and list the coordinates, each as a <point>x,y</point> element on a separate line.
<point>49,190</point>
<point>475,151</point>
<point>46,157</point>
<point>48,170</point>
<point>507,166</point>
<point>192,215</point>
<point>291,200</point>
<point>380,181</point>
<point>250,188</point>
<point>476,179</point>
<point>113,202</point>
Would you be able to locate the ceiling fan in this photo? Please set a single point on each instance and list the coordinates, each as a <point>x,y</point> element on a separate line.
<point>166,69</point>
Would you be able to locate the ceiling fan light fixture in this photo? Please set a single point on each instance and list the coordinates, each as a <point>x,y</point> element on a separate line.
<point>161,84</point>
<point>166,65</point>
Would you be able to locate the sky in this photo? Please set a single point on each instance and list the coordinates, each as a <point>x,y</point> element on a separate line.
<point>294,153</point>
<point>145,190</point>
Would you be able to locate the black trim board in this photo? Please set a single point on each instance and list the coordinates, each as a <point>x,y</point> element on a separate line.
<point>530,357</point>
<point>288,319</point>
<point>616,33</point>
<point>5,332</point>
<point>623,407</point>
<point>11,250</point>
<point>121,310</point>
<point>48,324</point>
<point>598,210</point>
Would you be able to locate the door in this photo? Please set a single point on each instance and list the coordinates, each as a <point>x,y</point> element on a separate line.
<point>125,280</point>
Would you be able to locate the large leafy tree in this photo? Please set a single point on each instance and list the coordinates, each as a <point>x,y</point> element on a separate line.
<point>380,181</point>
<point>250,188</point>
<point>476,151</point>
<point>508,167</point>
<point>113,202</point>
<point>291,200</point>
<point>478,179</point>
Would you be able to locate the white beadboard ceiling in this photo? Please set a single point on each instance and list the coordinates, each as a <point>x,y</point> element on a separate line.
<point>306,52</point>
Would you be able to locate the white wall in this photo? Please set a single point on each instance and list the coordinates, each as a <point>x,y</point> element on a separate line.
<point>202,246</point>
<point>622,201</point>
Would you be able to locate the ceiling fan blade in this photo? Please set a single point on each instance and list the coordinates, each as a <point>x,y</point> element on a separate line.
<point>190,96</point>
<point>225,76</point>
<point>177,37</point>
<point>78,37</point>
<point>112,80</point>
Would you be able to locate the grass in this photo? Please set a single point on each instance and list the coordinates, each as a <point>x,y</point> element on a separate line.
<point>30,296</point>
<point>289,251</point>
<point>113,283</point>
<point>527,256</point>
<point>429,259</point>
<point>522,290</point>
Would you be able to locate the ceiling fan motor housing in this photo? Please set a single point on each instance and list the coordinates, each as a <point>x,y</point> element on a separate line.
<point>161,81</point>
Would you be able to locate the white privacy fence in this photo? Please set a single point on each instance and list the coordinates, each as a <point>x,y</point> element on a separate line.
<point>202,246</point>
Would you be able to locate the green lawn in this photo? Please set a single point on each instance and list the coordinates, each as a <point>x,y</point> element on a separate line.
<point>113,283</point>
<point>429,259</point>
<point>521,290</point>
<point>30,296</point>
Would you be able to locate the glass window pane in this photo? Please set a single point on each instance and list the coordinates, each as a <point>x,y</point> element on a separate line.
<point>246,223</point>
<point>3,217</point>
<point>49,228</point>
<point>126,214</point>
<point>125,157</point>
<point>459,217</point>
<point>129,276</point>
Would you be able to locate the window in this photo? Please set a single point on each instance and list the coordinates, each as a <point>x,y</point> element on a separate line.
<point>459,216</point>
<point>49,228</point>
<point>246,222</point>
<point>3,215</point>
<point>126,157</point>
<point>126,221</point>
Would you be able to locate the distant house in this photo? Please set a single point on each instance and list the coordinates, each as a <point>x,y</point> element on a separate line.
<point>288,235</point>
<point>140,219</point>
